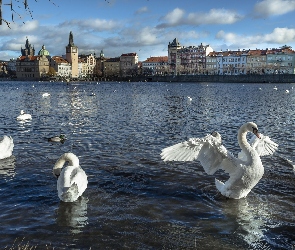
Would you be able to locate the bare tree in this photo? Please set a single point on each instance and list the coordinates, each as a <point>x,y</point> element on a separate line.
<point>19,4</point>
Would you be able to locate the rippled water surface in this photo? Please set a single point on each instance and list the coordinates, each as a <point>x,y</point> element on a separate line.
<point>134,200</point>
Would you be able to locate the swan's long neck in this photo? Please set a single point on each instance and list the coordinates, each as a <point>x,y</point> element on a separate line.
<point>70,157</point>
<point>244,145</point>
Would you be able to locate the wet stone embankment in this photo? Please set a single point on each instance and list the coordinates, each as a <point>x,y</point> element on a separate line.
<point>276,78</point>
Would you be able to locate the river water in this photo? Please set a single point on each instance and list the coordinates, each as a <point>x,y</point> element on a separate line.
<point>134,200</point>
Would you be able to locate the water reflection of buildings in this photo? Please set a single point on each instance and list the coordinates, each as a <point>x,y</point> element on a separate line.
<point>7,167</point>
<point>73,214</point>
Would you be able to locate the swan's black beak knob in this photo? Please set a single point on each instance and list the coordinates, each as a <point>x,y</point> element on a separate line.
<point>255,132</point>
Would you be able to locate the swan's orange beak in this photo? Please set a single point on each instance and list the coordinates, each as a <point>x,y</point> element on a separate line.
<point>257,134</point>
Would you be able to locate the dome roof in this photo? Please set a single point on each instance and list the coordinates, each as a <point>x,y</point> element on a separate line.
<point>43,52</point>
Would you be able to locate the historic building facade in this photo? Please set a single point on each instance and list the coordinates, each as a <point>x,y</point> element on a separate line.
<point>29,66</point>
<point>128,64</point>
<point>111,67</point>
<point>157,65</point>
<point>88,63</point>
<point>187,60</point>
<point>258,61</point>
<point>61,66</point>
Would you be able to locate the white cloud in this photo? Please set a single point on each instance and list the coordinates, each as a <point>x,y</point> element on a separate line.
<point>147,36</point>
<point>142,10</point>
<point>174,17</point>
<point>17,28</point>
<point>93,24</point>
<point>268,8</point>
<point>214,16</point>
<point>279,36</point>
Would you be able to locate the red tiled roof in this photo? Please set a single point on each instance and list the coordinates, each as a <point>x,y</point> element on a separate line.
<point>31,58</point>
<point>157,59</point>
<point>59,59</point>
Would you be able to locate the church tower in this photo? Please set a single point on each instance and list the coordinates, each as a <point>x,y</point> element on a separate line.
<point>173,59</point>
<point>72,56</point>
<point>28,50</point>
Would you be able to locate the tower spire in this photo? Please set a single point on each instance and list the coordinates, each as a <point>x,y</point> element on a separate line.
<point>71,39</point>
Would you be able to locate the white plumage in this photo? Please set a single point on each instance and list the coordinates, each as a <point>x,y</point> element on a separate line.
<point>245,171</point>
<point>45,94</point>
<point>72,180</point>
<point>6,147</point>
<point>23,116</point>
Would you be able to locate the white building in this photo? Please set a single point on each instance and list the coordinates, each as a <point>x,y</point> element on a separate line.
<point>157,65</point>
<point>61,66</point>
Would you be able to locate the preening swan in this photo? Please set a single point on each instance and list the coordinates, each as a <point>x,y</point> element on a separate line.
<point>71,180</point>
<point>244,172</point>
<point>24,116</point>
<point>6,147</point>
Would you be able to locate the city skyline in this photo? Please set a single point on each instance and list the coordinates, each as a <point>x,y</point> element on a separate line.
<point>146,27</point>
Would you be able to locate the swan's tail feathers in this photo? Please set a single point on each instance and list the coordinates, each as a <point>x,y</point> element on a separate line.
<point>219,185</point>
<point>70,194</point>
<point>263,146</point>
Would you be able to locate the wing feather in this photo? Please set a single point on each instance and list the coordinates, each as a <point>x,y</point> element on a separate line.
<point>263,146</point>
<point>187,150</point>
<point>208,150</point>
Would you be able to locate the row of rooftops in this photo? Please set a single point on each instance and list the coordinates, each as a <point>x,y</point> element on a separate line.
<point>249,52</point>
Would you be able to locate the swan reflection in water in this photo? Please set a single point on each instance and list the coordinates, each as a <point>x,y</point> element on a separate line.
<point>7,167</point>
<point>250,219</point>
<point>73,214</point>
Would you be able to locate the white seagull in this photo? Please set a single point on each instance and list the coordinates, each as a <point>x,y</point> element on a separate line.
<point>244,171</point>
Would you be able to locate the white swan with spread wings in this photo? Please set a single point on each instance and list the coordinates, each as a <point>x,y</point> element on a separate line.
<point>71,180</point>
<point>245,171</point>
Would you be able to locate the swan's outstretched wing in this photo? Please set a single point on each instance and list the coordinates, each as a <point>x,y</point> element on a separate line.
<point>208,150</point>
<point>263,146</point>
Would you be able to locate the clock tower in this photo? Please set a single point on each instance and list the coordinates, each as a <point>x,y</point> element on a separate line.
<point>72,56</point>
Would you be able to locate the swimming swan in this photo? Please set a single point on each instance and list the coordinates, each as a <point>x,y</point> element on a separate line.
<point>71,180</point>
<point>24,116</point>
<point>6,147</point>
<point>245,171</point>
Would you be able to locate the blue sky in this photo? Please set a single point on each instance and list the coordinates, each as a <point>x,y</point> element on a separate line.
<point>147,26</point>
